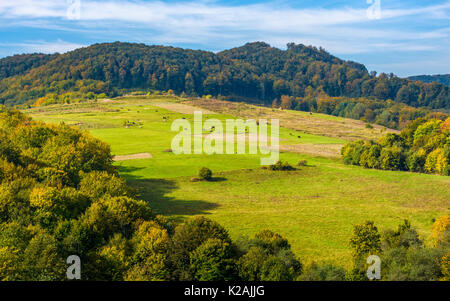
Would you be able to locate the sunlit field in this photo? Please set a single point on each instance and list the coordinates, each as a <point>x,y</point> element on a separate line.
<point>314,207</point>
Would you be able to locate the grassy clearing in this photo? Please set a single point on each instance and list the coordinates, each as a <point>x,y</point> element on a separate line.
<point>314,207</point>
<point>317,124</point>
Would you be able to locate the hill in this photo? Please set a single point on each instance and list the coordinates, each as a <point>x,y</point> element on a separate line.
<point>442,79</point>
<point>22,63</point>
<point>255,72</point>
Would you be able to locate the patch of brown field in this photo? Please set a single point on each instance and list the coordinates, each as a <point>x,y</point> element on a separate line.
<point>237,137</point>
<point>322,150</point>
<point>181,108</point>
<point>133,157</point>
<point>343,128</point>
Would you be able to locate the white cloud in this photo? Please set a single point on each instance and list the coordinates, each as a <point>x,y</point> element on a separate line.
<point>209,24</point>
<point>59,46</point>
<point>267,16</point>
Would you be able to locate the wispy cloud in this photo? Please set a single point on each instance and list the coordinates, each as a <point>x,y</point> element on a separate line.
<point>267,16</point>
<point>216,25</point>
<point>59,46</point>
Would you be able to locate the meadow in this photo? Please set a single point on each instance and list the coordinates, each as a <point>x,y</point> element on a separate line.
<point>314,207</point>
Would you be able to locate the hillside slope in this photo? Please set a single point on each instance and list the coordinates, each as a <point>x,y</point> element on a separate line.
<point>440,78</point>
<point>254,72</point>
<point>22,63</point>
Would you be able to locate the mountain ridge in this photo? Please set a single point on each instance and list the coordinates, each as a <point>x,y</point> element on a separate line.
<point>438,78</point>
<point>255,71</point>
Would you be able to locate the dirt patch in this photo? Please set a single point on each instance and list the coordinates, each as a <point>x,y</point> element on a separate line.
<point>182,108</point>
<point>322,150</point>
<point>133,157</point>
<point>236,137</point>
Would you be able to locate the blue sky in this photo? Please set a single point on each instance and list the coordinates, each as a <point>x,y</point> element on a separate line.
<point>405,37</point>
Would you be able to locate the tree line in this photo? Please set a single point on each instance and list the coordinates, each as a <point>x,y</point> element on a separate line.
<point>390,114</point>
<point>255,72</point>
<point>423,146</point>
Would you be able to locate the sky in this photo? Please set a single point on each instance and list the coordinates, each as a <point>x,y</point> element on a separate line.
<point>407,37</point>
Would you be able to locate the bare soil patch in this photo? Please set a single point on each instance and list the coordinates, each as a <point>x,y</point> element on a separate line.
<point>182,108</point>
<point>322,150</point>
<point>133,157</point>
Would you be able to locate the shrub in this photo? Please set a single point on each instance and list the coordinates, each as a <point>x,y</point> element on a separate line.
<point>351,152</point>
<point>445,267</point>
<point>416,161</point>
<point>213,261</point>
<point>281,166</point>
<point>302,163</point>
<point>370,157</point>
<point>392,158</point>
<point>365,239</point>
<point>426,130</point>
<point>436,161</point>
<point>413,264</point>
<point>205,173</point>
<point>441,231</point>
<point>326,272</point>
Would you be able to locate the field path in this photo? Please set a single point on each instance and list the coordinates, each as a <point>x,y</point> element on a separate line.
<point>133,157</point>
<point>181,108</point>
<point>323,150</point>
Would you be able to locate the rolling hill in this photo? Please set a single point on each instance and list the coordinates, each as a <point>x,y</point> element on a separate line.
<point>442,79</point>
<point>255,72</point>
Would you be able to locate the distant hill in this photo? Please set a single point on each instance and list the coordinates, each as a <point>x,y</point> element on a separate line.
<point>21,63</point>
<point>255,72</point>
<point>440,78</point>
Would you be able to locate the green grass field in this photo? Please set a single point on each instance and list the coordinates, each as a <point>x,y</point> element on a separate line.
<point>314,207</point>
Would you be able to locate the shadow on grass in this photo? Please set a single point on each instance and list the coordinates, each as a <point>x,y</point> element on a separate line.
<point>156,191</point>
<point>217,179</point>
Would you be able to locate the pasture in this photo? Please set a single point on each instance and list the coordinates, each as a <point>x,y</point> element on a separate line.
<point>314,207</point>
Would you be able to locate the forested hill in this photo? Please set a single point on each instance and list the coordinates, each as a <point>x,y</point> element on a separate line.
<point>254,72</point>
<point>441,78</point>
<point>22,63</point>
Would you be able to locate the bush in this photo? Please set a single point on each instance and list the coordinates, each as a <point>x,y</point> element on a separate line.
<point>213,261</point>
<point>326,272</point>
<point>392,158</point>
<point>267,257</point>
<point>302,163</point>
<point>370,157</point>
<point>281,166</point>
<point>416,161</point>
<point>351,152</point>
<point>205,174</point>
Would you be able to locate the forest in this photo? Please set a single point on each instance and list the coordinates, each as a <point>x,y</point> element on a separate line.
<point>61,195</point>
<point>440,78</point>
<point>256,73</point>
<point>423,146</point>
